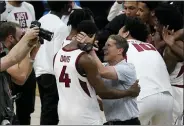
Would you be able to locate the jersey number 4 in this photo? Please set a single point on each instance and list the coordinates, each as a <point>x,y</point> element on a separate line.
<point>145,46</point>
<point>64,77</point>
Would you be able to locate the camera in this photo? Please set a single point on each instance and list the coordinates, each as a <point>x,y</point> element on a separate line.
<point>43,34</point>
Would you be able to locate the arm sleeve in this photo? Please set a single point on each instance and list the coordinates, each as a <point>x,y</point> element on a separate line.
<point>114,11</point>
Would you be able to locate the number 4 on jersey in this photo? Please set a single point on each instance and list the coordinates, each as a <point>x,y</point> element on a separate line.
<point>64,77</point>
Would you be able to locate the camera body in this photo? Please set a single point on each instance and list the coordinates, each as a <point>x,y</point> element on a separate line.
<point>43,34</point>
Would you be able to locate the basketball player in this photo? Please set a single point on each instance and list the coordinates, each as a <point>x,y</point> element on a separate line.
<point>79,82</point>
<point>166,15</point>
<point>155,101</point>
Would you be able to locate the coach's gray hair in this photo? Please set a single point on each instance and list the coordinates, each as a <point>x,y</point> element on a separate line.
<point>120,43</point>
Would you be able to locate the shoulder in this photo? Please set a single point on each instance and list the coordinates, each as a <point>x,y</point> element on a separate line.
<point>62,26</point>
<point>85,59</point>
<point>28,5</point>
<point>126,67</point>
<point>127,70</point>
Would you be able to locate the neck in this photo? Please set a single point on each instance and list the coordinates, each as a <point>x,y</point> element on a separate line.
<point>72,45</point>
<point>116,61</point>
<point>14,3</point>
<point>72,34</point>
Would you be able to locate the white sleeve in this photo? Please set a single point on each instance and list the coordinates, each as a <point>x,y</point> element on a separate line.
<point>59,35</point>
<point>33,13</point>
<point>114,11</point>
<point>126,73</point>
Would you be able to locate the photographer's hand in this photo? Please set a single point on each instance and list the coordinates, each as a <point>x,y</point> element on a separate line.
<point>30,35</point>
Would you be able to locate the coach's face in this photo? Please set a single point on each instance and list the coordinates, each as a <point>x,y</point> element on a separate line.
<point>110,50</point>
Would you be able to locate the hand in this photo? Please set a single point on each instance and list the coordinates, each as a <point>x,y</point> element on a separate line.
<point>84,38</point>
<point>158,42</point>
<point>135,89</point>
<point>168,36</point>
<point>32,33</point>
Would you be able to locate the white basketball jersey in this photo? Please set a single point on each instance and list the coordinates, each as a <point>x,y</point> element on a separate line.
<point>78,103</point>
<point>150,67</point>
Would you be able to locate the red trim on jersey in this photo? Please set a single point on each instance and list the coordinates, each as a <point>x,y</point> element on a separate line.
<point>179,86</point>
<point>76,64</point>
<point>84,87</point>
<point>54,59</point>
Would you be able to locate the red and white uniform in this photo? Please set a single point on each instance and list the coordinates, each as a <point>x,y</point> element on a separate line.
<point>155,98</point>
<point>176,78</point>
<point>78,103</point>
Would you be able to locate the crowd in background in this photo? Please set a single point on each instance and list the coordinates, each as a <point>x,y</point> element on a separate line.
<point>109,17</point>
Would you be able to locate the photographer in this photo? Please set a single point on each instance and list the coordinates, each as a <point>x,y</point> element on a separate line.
<point>17,53</point>
<point>43,64</point>
<point>22,13</point>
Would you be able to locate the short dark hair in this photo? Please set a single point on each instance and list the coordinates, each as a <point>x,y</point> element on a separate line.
<point>169,15</point>
<point>57,5</point>
<point>8,28</point>
<point>79,15</point>
<point>87,26</point>
<point>151,4</point>
<point>136,28</point>
<point>120,43</point>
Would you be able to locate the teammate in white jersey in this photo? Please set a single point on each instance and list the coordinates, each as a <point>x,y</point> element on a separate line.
<point>78,82</point>
<point>155,101</point>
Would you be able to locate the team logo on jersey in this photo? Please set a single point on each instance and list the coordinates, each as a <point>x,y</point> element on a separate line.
<point>21,17</point>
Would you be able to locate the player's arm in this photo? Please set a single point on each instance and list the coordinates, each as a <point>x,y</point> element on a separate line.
<point>86,62</point>
<point>178,48</point>
<point>170,40</point>
<point>107,72</point>
<point>179,35</point>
